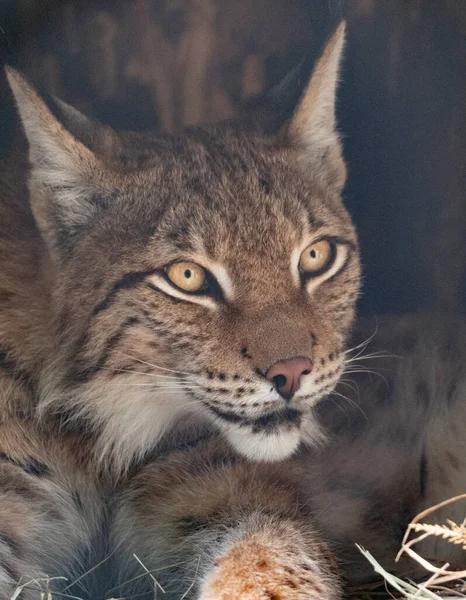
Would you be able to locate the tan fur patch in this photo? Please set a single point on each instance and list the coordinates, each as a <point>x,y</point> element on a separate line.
<point>262,571</point>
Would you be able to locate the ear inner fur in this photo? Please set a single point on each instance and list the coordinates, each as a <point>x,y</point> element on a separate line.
<point>65,174</point>
<point>313,126</point>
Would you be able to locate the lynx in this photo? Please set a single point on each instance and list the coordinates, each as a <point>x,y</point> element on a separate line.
<point>155,283</point>
<point>172,307</point>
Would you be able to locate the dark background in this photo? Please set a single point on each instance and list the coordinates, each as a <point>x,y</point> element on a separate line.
<point>139,64</point>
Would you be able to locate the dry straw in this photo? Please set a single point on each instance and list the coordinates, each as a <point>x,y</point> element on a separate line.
<point>441,582</point>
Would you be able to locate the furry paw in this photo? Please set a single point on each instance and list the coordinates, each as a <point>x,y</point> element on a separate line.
<point>252,570</point>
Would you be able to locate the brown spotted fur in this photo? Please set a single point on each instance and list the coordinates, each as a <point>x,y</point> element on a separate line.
<point>84,327</point>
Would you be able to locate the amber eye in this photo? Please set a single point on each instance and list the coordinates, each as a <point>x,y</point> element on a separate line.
<point>188,276</point>
<point>317,257</point>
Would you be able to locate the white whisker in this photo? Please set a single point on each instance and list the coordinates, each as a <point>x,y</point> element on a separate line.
<point>351,384</point>
<point>154,386</point>
<point>360,369</point>
<point>369,372</point>
<point>155,375</point>
<point>345,412</point>
<point>352,402</point>
<point>194,402</point>
<point>364,343</point>
<point>155,366</point>
<point>371,357</point>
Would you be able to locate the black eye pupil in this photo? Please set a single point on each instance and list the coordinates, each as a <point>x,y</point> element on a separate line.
<point>313,254</point>
<point>187,273</point>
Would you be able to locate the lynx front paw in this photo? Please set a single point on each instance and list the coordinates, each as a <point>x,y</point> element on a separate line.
<point>252,570</point>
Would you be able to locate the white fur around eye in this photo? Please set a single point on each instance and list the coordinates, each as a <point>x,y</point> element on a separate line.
<point>159,282</point>
<point>342,252</point>
<point>223,279</point>
<point>295,256</point>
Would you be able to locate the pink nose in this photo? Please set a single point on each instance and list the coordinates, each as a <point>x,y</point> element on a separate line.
<point>286,374</point>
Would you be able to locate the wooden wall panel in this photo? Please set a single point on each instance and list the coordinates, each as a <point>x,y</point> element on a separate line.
<point>164,64</point>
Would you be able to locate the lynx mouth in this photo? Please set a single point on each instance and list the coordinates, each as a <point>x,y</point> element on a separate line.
<point>268,423</point>
<point>270,437</point>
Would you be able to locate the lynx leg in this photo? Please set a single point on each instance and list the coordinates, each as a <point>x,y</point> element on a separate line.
<point>215,527</point>
<point>41,530</point>
<point>270,559</point>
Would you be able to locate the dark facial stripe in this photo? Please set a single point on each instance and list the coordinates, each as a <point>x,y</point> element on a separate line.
<point>227,416</point>
<point>129,280</point>
<point>85,374</point>
<point>268,422</point>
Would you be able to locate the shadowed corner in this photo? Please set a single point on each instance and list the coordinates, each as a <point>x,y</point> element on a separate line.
<point>8,52</point>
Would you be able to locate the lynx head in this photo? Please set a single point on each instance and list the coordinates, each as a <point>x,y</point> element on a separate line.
<point>210,275</point>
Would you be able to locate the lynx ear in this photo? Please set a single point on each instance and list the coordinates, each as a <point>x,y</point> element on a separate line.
<point>66,176</point>
<point>313,126</point>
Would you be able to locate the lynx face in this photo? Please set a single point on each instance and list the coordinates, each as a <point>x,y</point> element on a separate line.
<point>213,274</point>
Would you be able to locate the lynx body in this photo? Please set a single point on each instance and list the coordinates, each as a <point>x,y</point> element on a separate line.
<point>174,311</point>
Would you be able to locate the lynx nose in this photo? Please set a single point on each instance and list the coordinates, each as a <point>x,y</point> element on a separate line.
<point>286,374</point>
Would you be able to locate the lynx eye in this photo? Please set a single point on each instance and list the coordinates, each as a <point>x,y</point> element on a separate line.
<point>187,276</point>
<point>317,258</point>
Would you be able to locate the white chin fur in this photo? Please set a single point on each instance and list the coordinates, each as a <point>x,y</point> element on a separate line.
<point>264,447</point>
